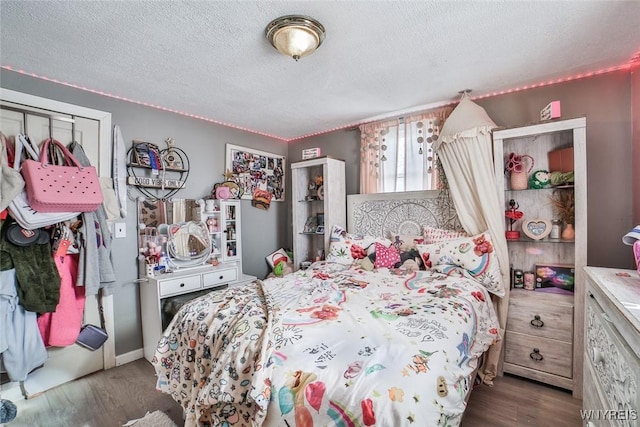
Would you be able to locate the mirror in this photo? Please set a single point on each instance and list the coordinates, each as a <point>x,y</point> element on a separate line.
<point>188,241</point>
<point>172,227</point>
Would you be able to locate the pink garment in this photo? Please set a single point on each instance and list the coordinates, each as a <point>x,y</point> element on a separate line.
<point>61,328</point>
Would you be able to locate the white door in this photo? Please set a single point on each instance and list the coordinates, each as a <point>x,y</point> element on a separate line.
<point>64,363</point>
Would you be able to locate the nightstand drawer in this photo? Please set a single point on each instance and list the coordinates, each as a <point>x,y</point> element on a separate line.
<point>180,285</point>
<point>542,354</point>
<point>219,277</point>
<point>541,315</point>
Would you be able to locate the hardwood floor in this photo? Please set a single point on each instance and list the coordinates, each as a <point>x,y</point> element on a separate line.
<point>103,399</point>
<point>514,401</point>
<point>111,398</point>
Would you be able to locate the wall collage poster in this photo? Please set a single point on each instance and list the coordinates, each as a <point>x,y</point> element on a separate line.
<point>256,170</point>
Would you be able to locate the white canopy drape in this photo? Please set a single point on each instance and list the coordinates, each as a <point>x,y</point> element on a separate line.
<point>465,151</point>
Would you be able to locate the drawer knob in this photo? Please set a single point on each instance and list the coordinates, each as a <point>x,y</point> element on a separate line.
<point>597,357</point>
<point>535,355</point>
<point>221,277</point>
<point>182,285</point>
<point>537,322</point>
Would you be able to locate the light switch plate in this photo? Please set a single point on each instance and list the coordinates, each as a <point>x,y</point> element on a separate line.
<point>120,230</point>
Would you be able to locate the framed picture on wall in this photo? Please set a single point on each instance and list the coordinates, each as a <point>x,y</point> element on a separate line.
<point>256,170</point>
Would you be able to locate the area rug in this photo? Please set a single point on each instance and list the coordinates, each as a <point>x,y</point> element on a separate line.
<point>152,419</point>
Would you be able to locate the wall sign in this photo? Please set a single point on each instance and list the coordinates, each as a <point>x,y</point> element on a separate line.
<point>310,153</point>
<point>256,170</point>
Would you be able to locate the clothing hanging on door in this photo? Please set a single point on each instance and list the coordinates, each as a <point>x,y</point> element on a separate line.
<point>61,328</point>
<point>95,269</point>
<point>21,346</point>
<point>37,279</point>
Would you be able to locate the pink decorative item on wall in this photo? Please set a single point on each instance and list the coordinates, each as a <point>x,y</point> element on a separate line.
<point>551,111</point>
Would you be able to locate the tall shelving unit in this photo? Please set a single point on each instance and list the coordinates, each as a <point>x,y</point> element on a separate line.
<point>544,339</point>
<point>327,203</point>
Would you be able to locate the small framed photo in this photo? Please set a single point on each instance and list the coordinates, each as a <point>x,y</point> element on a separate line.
<point>310,225</point>
<point>320,229</point>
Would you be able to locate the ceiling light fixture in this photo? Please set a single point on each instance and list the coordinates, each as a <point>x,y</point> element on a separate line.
<point>295,35</point>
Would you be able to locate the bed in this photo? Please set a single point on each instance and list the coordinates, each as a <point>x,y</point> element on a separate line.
<point>341,343</point>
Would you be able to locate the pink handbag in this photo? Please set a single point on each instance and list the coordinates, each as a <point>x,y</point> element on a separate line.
<point>61,188</point>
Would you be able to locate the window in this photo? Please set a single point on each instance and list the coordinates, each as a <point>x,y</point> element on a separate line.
<point>397,155</point>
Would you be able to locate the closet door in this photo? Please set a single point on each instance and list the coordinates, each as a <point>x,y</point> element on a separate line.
<point>64,363</point>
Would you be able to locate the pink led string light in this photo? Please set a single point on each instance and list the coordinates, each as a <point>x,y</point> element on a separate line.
<point>625,66</point>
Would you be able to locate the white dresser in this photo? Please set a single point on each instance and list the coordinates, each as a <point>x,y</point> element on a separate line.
<point>612,344</point>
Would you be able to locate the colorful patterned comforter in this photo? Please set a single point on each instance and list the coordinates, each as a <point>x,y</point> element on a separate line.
<point>327,346</point>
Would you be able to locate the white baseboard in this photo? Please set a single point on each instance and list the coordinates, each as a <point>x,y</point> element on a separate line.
<point>129,357</point>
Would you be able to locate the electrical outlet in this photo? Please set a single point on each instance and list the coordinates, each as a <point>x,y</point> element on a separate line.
<point>120,230</point>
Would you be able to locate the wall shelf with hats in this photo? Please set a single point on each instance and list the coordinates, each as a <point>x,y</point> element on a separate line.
<point>541,176</point>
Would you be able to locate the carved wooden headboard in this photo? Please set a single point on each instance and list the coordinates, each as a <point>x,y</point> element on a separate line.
<point>402,213</point>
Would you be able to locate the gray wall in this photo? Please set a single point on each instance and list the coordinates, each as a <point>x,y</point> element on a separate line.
<point>204,143</point>
<point>606,102</point>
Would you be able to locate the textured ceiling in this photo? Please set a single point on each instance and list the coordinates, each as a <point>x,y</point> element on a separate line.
<point>211,59</point>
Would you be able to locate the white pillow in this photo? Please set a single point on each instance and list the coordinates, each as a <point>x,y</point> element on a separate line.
<point>474,254</point>
<point>345,247</point>
<point>277,256</point>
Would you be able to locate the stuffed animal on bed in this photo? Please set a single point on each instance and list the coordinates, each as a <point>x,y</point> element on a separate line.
<point>409,260</point>
<point>281,269</point>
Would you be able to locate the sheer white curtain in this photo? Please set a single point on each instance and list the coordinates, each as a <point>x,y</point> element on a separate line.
<point>465,151</point>
<point>397,155</point>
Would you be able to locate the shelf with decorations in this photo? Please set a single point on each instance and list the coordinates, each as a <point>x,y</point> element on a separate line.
<point>222,219</point>
<point>319,192</point>
<point>154,172</point>
<point>541,176</point>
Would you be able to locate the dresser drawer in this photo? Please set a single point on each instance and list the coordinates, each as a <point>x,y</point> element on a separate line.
<point>592,400</point>
<point>180,285</point>
<point>615,367</point>
<point>541,315</point>
<point>219,277</point>
<point>554,357</point>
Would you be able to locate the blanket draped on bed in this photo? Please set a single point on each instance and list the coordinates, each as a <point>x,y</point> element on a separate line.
<point>212,357</point>
<point>330,345</point>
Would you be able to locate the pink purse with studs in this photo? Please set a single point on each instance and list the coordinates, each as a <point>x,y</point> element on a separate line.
<point>61,188</point>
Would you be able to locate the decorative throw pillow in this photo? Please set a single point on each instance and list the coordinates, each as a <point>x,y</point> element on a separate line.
<point>276,257</point>
<point>404,242</point>
<point>386,257</point>
<point>437,235</point>
<point>474,254</point>
<point>345,248</point>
